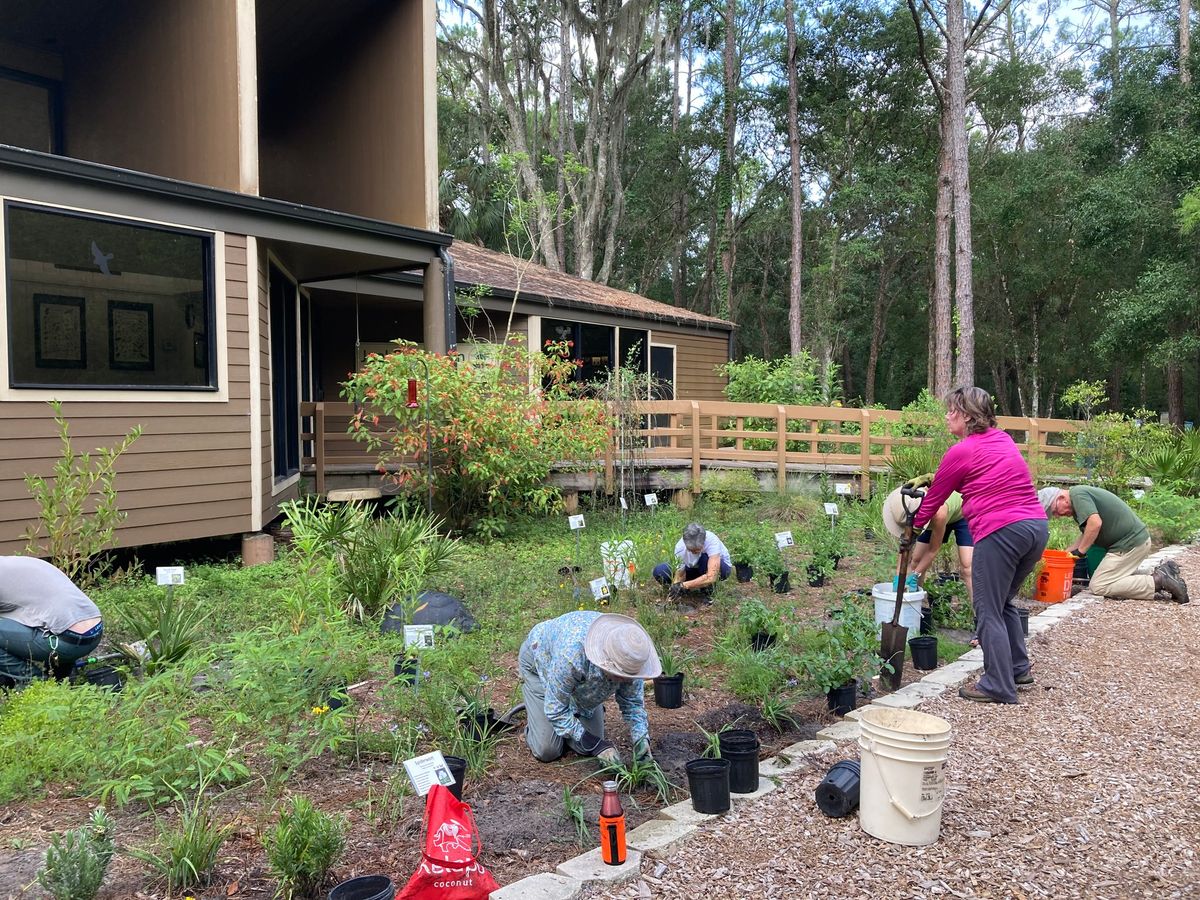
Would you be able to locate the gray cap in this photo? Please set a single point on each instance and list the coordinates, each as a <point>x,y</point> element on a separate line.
<point>1047,496</point>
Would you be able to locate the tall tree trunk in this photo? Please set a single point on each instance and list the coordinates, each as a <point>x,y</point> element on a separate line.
<point>726,167</point>
<point>795,296</point>
<point>564,105</point>
<point>678,274</point>
<point>956,99</point>
<point>943,354</point>
<point>1185,41</point>
<point>1175,394</point>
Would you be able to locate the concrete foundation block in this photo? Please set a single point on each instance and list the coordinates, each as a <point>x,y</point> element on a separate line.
<point>842,731</point>
<point>683,812</point>
<point>590,868</point>
<point>257,550</point>
<point>543,886</point>
<point>660,835</point>
<point>765,786</point>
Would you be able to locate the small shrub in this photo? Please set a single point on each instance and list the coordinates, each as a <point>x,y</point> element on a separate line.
<point>78,859</point>
<point>188,853</point>
<point>168,624</point>
<point>1172,519</point>
<point>573,812</point>
<point>303,848</point>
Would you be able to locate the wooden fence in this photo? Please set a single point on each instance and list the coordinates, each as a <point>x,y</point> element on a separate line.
<point>705,434</point>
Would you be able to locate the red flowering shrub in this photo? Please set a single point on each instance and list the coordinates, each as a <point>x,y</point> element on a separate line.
<point>496,425</point>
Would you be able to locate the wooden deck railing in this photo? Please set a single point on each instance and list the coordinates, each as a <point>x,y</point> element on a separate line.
<point>699,434</point>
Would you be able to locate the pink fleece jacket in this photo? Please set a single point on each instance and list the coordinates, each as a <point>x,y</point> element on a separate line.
<point>990,473</point>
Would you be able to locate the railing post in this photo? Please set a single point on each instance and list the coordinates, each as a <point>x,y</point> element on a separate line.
<point>781,449</point>
<point>608,461</point>
<point>695,447</point>
<point>864,448</point>
<point>1033,443</point>
<point>319,446</point>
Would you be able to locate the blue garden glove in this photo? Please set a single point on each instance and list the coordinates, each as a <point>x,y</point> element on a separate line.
<point>910,583</point>
<point>641,751</point>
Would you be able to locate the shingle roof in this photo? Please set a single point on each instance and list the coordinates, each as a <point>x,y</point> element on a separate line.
<point>477,266</point>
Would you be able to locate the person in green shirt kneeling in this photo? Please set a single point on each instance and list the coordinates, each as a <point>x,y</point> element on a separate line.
<point>1105,520</point>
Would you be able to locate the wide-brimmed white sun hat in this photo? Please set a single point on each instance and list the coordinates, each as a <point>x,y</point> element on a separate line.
<point>620,646</point>
<point>893,513</point>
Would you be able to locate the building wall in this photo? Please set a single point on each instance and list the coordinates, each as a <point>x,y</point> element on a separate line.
<point>167,101</point>
<point>696,357</point>
<point>187,476</point>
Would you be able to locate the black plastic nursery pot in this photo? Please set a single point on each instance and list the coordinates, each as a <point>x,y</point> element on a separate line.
<point>782,585</point>
<point>761,640</point>
<point>366,887</point>
<point>458,768</point>
<point>926,620</point>
<point>837,794</point>
<point>708,783</point>
<point>841,700</point>
<point>741,747</point>
<point>405,668</point>
<point>947,577</point>
<point>815,577</point>
<point>1024,615</point>
<point>924,652</point>
<point>104,676</point>
<point>478,726</point>
<point>743,572</point>
<point>668,691</point>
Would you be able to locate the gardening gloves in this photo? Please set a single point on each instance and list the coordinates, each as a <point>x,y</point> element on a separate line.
<point>590,745</point>
<point>641,751</point>
<point>910,583</point>
<point>1077,553</point>
<point>920,481</point>
<point>675,591</point>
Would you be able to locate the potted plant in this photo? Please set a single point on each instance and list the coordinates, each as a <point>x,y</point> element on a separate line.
<point>477,718</point>
<point>760,625</point>
<point>739,542</point>
<point>819,569</point>
<point>668,687</point>
<point>845,655</point>
<point>766,558</point>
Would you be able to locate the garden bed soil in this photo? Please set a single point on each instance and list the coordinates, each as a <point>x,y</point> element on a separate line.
<point>518,804</point>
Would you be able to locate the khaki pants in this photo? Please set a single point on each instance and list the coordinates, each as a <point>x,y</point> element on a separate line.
<point>1115,576</point>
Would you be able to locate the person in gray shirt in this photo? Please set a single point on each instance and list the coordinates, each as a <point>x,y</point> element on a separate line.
<point>46,622</point>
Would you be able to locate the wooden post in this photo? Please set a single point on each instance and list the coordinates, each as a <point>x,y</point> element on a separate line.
<point>608,463</point>
<point>319,446</point>
<point>781,449</point>
<point>695,447</point>
<point>864,448</point>
<point>738,442</point>
<point>1033,444</point>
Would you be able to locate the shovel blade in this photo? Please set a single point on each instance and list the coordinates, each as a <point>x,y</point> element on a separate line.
<point>891,649</point>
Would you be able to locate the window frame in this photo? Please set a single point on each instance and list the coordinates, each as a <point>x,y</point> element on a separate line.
<point>217,390</point>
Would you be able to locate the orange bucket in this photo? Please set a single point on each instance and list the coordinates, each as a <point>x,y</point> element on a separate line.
<point>1054,581</point>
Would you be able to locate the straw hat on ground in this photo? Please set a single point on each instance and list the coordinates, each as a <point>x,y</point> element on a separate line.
<point>620,646</point>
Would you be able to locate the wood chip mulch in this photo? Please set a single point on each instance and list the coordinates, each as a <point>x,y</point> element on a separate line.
<point>1090,787</point>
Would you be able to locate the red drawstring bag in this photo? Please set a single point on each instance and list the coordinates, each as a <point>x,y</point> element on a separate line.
<point>448,870</point>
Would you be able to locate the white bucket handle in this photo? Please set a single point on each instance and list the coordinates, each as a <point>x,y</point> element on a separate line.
<point>912,817</point>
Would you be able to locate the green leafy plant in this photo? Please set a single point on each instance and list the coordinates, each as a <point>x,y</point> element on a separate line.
<point>753,617</point>
<point>477,420</point>
<point>1172,518</point>
<point>777,711</point>
<point>303,847</point>
<point>187,853</point>
<point>574,813</point>
<point>167,623</point>
<point>77,505</point>
<point>844,652</point>
<point>643,774</point>
<point>712,741</point>
<point>77,860</point>
<point>674,660</point>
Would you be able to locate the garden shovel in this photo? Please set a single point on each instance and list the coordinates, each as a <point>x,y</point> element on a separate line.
<point>894,635</point>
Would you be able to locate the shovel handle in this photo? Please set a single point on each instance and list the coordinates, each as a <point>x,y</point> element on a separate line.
<point>906,542</point>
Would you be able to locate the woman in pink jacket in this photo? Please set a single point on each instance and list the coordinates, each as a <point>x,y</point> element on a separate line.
<point>1009,525</point>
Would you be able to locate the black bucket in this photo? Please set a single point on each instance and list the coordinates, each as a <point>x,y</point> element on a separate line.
<point>104,676</point>
<point>761,640</point>
<point>744,572</point>
<point>924,652</point>
<point>926,620</point>
<point>458,768</point>
<point>708,783</point>
<point>1024,616</point>
<point>368,887</point>
<point>841,700</point>
<point>740,747</point>
<point>837,794</point>
<point>668,691</point>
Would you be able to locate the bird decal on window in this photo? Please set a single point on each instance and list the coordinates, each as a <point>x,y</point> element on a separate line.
<point>101,259</point>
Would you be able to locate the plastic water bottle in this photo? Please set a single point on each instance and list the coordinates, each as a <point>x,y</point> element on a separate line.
<point>612,826</point>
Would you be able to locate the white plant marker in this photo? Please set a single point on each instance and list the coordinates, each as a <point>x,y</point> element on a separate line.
<point>599,588</point>
<point>651,499</point>
<point>169,576</point>
<point>576,522</point>
<point>831,510</point>
<point>421,637</point>
<point>842,489</point>
<point>426,771</point>
<point>783,539</point>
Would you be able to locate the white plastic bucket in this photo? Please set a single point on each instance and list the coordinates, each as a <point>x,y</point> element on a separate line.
<point>885,607</point>
<point>901,786</point>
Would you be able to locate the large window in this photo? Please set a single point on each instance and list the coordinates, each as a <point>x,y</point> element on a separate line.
<point>594,346</point>
<point>97,303</point>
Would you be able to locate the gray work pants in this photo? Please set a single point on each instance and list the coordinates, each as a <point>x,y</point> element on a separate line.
<point>1003,560</point>
<point>545,743</point>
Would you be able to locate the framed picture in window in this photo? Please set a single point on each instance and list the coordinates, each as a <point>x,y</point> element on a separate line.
<point>59,332</point>
<point>130,335</point>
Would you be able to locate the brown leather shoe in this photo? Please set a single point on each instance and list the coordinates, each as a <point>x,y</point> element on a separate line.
<point>1024,682</point>
<point>972,692</point>
<point>1166,580</point>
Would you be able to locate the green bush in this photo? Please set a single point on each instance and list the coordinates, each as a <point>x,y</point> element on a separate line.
<point>187,853</point>
<point>303,848</point>
<point>1171,518</point>
<point>77,860</point>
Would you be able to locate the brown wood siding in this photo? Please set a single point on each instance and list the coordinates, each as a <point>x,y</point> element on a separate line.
<point>186,477</point>
<point>266,481</point>
<point>696,358</point>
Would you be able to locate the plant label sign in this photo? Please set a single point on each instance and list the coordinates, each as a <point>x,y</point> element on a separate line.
<point>169,575</point>
<point>576,522</point>
<point>843,489</point>
<point>624,505</point>
<point>831,509</point>
<point>651,499</point>
<point>419,636</point>
<point>426,771</point>
<point>599,588</point>
<point>784,539</point>
<point>1138,494</point>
